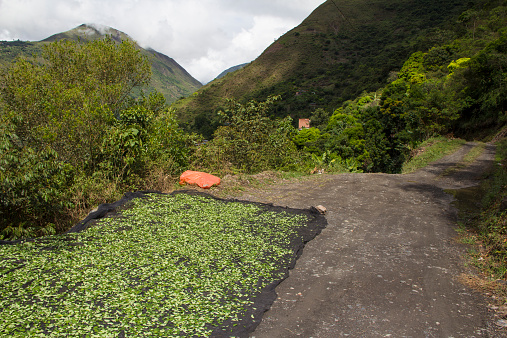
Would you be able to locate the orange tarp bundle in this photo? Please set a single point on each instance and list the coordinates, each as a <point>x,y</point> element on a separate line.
<point>203,180</point>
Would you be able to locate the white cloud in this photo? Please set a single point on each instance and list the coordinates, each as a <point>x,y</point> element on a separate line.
<point>204,36</point>
<point>244,46</point>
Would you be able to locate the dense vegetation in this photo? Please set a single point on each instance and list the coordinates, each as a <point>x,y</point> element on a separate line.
<point>71,135</point>
<point>341,50</point>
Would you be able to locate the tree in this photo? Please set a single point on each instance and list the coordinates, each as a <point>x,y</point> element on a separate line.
<point>56,113</point>
<point>306,139</point>
<point>489,69</point>
<point>469,18</point>
<point>319,118</point>
<point>346,136</point>
<point>66,98</point>
<point>250,140</point>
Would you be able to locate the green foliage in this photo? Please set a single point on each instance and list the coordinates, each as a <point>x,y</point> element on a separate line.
<point>414,108</point>
<point>143,137</point>
<point>432,107</point>
<point>67,100</point>
<point>33,189</point>
<point>169,146</point>
<point>124,147</point>
<point>205,124</point>
<point>319,118</point>
<point>306,139</point>
<point>346,136</point>
<point>249,140</point>
<point>488,68</point>
<point>379,133</point>
<point>413,69</point>
<point>358,135</point>
<point>460,63</point>
<point>437,57</point>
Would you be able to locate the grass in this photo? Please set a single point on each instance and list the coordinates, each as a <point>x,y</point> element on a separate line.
<point>430,151</point>
<point>485,228</point>
<point>469,158</point>
<point>474,153</point>
<point>168,265</point>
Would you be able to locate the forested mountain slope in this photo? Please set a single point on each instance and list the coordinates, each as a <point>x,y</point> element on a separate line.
<point>342,49</point>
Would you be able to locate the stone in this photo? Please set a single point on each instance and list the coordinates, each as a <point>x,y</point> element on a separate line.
<point>321,209</point>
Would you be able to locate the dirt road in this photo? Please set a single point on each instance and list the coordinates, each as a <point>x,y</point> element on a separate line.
<point>387,264</point>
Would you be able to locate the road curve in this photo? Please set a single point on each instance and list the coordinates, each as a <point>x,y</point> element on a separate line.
<point>388,263</point>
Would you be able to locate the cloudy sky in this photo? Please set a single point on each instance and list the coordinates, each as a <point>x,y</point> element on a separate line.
<point>204,36</point>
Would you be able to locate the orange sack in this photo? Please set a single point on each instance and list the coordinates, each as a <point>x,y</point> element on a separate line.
<point>203,180</point>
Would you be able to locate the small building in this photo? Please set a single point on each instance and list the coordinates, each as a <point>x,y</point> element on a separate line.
<point>304,123</point>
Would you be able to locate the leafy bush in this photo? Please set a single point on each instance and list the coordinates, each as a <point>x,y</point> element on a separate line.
<point>307,138</point>
<point>68,120</point>
<point>249,140</point>
<point>67,98</point>
<point>33,183</point>
<point>346,136</point>
<point>169,146</point>
<point>123,151</point>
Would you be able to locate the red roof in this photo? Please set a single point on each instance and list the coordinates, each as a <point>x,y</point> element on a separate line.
<point>304,123</point>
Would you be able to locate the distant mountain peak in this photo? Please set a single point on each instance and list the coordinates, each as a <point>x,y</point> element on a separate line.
<point>89,31</point>
<point>97,29</point>
<point>168,77</point>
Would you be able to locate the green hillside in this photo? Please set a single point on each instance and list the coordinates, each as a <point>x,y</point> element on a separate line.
<point>342,49</point>
<point>454,87</point>
<point>168,77</point>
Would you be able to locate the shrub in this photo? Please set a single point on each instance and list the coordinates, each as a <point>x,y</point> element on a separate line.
<point>249,140</point>
<point>67,119</point>
<point>68,98</point>
<point>33,184</point>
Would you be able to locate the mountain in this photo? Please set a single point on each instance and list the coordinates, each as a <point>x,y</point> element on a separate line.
<point>342,49</point>
<point>87,32</point>
<point>230,70</point>
<point>168,77</point>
